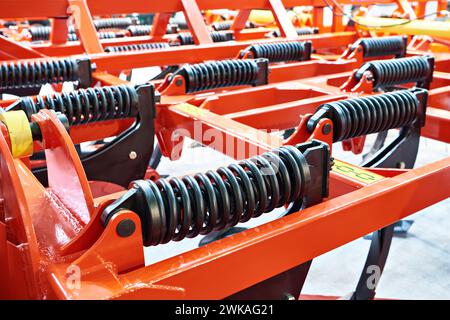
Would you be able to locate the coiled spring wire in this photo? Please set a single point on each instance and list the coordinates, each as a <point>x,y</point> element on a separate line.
<point>33,73</point>
<point>186,38</point>
<point>300,31</point>
<point>139,30</point>
<point>114,23</point>
<point>361,116</point>
<point>87,105</point>
<point>399,71</point>
<point>217,74</point>
<point>281,51</point>
<point>222,25</point>
<point>383,46</point>
<point>138,47</point>
<point>176,208</point>
<point>42,33</point>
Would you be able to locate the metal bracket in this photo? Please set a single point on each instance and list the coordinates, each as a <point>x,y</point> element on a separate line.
<point>125,158</point>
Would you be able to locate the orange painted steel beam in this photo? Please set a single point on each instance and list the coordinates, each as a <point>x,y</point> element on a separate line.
<point>18,50</point>
<point>438,97</point>
<point>233,139</point>
<point>285,25</point>
<point>240,20</point>
<point>82,9</point>
<point>59,31</point>
<point>437,125</point>
<point>218,50</point>
<point>75,47</point>
<point>194,54</point>
<point>85,26</point>
<point>58,8</point>
<point>195,22</point>
<point>281,116</point>
<point>159,27</point>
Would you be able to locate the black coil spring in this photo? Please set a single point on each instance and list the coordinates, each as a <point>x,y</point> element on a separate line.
<point>42,33</point>
<point>114,23</point>
<point>22,74</point>
<point>87,105</point>
<point>186,38</point>
<point>222,25</point>
<point>145,29</point>
<point>377,47</point>
<point>109,35</point>
<point>72,37</point>
<point>9,24</point>
<point>300,31</point>
<point>281,51</point>
<point>215,200</point>
<point>398,71</point>
<point>218,74</point>
<point>138,47</point>
<point>139,30</point>
<point>361,116</point>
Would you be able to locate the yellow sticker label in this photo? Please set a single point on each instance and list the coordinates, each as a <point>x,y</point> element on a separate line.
<point>355,172</point>
<point>191,109</point>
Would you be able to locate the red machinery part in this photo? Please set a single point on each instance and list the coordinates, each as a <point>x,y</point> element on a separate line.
<point>52,240</point>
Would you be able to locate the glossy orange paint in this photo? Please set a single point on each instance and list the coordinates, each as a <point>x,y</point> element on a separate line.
<point>105,272</point>
<point>49,235</point>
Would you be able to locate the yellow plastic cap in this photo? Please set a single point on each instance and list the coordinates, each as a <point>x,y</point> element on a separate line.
<point>19,133</point>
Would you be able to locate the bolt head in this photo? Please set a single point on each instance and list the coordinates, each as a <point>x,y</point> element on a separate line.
<point>132,155</point>
<point>126,228</point>
<point>288,296</point>
<point>326,129</point>
<point>401,165</point>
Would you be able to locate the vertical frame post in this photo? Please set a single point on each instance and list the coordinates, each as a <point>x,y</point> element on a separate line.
<point>195,22</point>
<point>285,25</point>
<point>85,26</point>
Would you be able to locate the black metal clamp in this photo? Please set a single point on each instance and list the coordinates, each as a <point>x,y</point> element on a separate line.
<point>126,157</point>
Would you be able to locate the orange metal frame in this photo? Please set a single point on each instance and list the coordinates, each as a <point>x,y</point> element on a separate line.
<point>54,228</point>
<point>353,208</point>
<point>90,43</point>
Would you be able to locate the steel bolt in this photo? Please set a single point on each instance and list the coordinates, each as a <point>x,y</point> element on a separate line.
<point>133,155</point>
<point>326,129</point>
<point>401,165</point>
<point>288,296</point>
<point>126,228</point>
